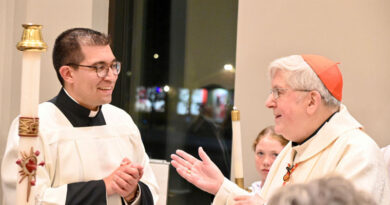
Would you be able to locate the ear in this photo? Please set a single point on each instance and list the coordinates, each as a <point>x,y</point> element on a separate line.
<point>66,73</point>
<point>314,102</point>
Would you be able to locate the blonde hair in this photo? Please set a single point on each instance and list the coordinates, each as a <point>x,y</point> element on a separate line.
<point>269,131</point>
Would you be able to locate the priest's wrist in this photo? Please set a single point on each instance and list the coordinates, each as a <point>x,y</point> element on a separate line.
<point>132,196</point>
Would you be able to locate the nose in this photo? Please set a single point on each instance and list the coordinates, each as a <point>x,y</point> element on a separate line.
<point>267,161</point>
<point>270,102</point>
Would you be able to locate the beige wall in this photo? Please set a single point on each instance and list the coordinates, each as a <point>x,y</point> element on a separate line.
<point>55,16</point>
<point>355,33</point>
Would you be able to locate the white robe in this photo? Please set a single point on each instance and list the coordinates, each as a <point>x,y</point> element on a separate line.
<point>255,187</point>
<point>339,147</point>
<point>76,154</point>
<point>386,154</point>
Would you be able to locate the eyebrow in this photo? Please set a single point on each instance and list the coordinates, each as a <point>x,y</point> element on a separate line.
<point>103,62</point>
<point>281,88</point>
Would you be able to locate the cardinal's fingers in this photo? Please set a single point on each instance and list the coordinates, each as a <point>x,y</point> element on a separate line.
<point>203,156</point>
<point>180,161</point>
<point>191,159</point>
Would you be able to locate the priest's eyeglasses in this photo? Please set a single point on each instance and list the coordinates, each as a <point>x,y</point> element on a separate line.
<point>277,92</point>
<point>102,69</point>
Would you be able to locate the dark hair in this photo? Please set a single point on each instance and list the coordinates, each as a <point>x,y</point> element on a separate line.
<point>67,47</point>
<point>269,131</point>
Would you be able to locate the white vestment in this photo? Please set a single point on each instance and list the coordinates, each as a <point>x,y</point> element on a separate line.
<point>76,154</point>
<point>340,147</point>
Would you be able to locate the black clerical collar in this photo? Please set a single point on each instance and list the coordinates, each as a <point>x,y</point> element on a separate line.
<point>75,113</point>
<point>315,132</point>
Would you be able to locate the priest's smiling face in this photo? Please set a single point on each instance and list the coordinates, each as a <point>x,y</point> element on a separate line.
<point>85,86</point>
<point>288,107</point>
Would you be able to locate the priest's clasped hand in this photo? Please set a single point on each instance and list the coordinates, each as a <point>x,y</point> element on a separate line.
<point>202,173</point>
<point>124,180</point>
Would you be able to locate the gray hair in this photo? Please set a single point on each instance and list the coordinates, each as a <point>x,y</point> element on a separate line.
<point>301,76</point>
<point>331,190</point>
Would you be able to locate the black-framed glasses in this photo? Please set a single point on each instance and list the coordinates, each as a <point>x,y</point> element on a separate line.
<point>102,69</point>
<point>276,92</point>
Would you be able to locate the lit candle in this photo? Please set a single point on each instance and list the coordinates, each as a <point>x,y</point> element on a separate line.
<point>237,152</point>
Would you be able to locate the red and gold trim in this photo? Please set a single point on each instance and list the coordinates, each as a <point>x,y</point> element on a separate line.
<point>28,126</point>
<point>290,170</point>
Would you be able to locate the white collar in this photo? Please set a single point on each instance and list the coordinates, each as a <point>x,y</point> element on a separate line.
<point>91,113</point>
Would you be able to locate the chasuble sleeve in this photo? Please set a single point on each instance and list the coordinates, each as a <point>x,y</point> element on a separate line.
<point>227,192</point>
<point>362,163</point>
